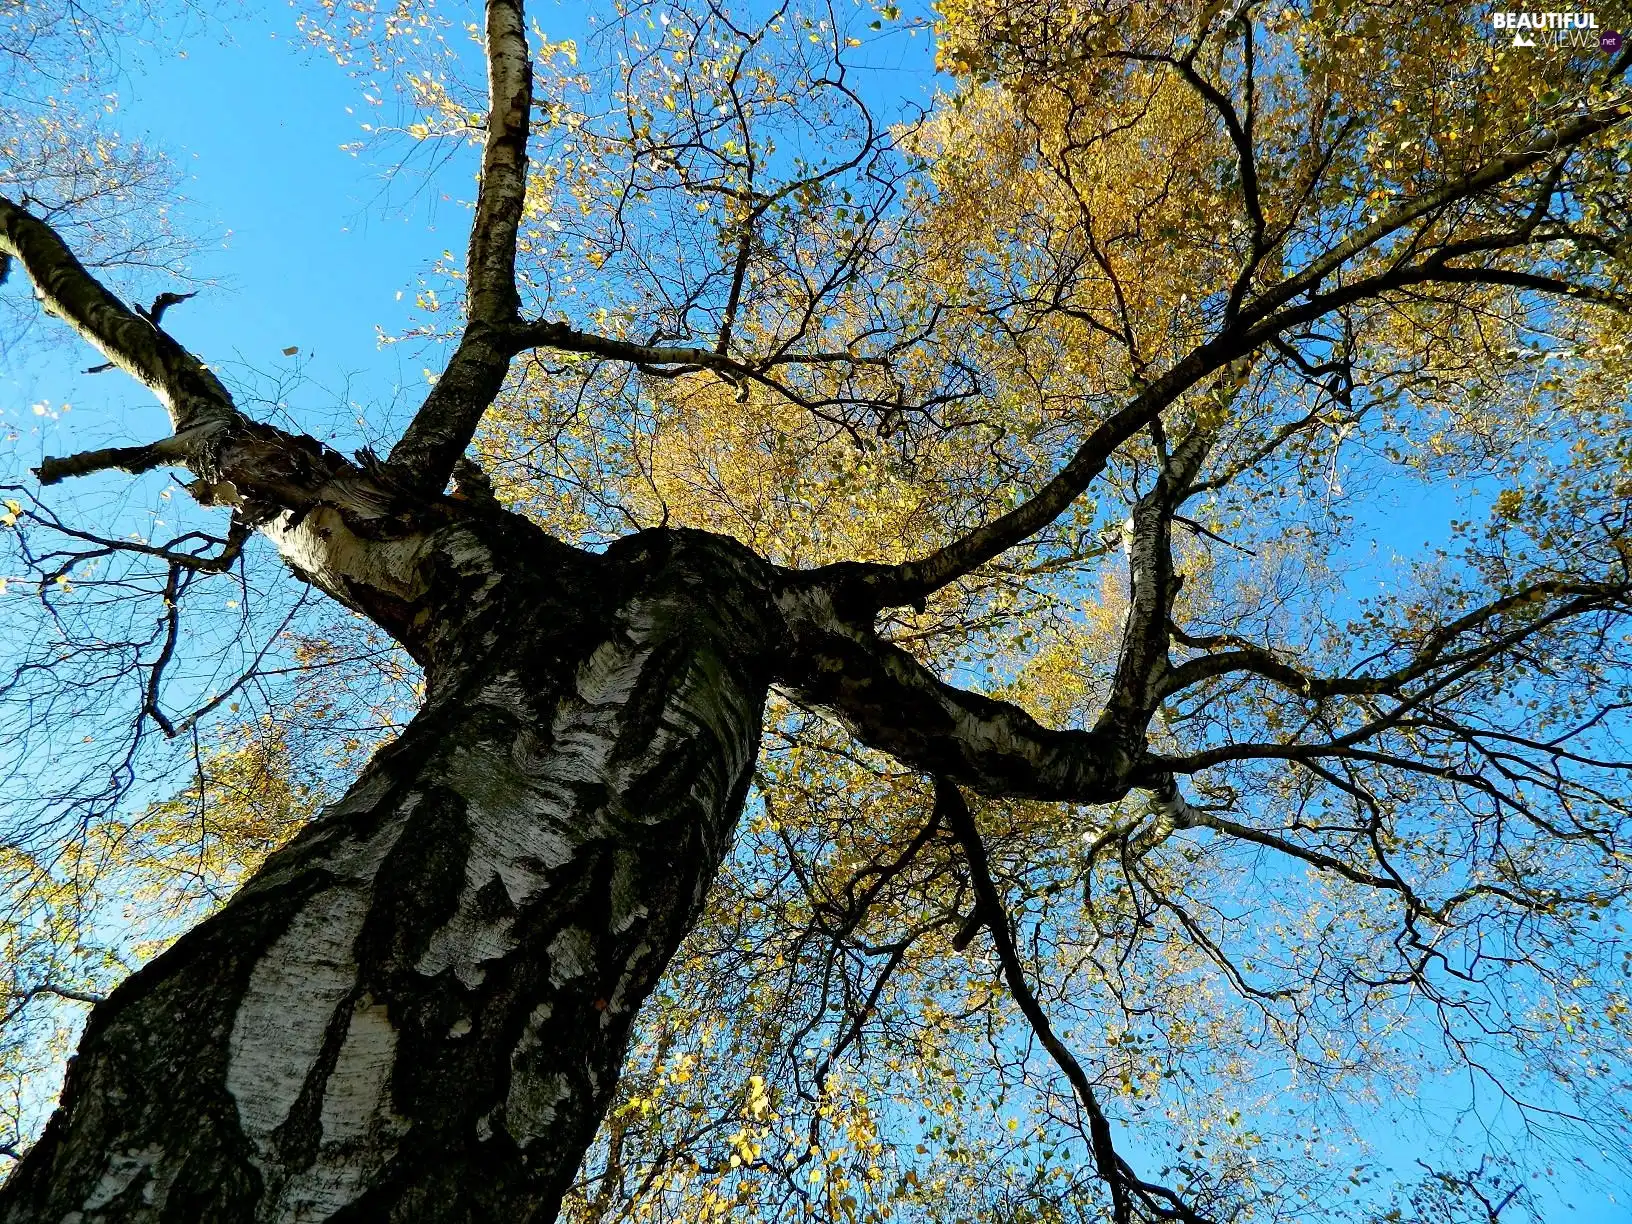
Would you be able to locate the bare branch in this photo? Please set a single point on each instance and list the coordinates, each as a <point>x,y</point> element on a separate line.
<point>175,450</point>
<point>1244,656</point>
<point>24,998</point>
<point>1114,1170</point>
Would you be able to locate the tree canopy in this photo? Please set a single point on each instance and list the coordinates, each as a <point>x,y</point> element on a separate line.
<point>1149,841</point>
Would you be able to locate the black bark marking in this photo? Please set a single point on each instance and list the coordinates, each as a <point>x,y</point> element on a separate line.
<point>669,787</point>
<point>299,1135</point>
<point>492,900</point>
<point>212,1189</point>
<point>417,889</point>
<point>662,676</point>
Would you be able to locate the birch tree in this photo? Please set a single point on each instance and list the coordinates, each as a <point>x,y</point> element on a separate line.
<point>890,575</point>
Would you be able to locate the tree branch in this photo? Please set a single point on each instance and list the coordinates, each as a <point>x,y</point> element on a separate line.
<point>912,581</point>
<point>1143,663</point>
<point>24,998</point>
<point>189,391</point>
<point>1115,1171</point>
<point>172,451</point>
<point>1244,656</point>
<point>1258,323</point>
<point>679,359</point>
<point>447,420</point>
<point>1497,170</point>
<point>1438,273</point>
<point>893,703</point>
<point>1610,597</point>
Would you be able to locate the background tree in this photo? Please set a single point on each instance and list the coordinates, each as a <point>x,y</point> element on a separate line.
<point>969,500</point>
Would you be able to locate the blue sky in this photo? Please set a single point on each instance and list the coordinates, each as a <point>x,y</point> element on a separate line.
<point>303,245</point>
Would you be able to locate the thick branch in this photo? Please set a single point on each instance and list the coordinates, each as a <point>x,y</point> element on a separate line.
<point>1437,273</point>
<point>1266,317</point>
<point>175,450</point>
<point>190,393</point>
<point>895,704</point>
<point>1143,663</point>
<point>446,422</point>
<point>913,580</point>
<point>132,459</point>
<point>492,260</point>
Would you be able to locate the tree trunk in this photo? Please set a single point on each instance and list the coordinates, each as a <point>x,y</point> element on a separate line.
<point>418,1010</point>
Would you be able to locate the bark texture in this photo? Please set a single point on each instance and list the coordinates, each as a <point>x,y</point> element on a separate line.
<point>418,1010</point>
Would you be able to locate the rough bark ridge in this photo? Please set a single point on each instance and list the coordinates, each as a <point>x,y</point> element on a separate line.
<point>418,1010</point>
